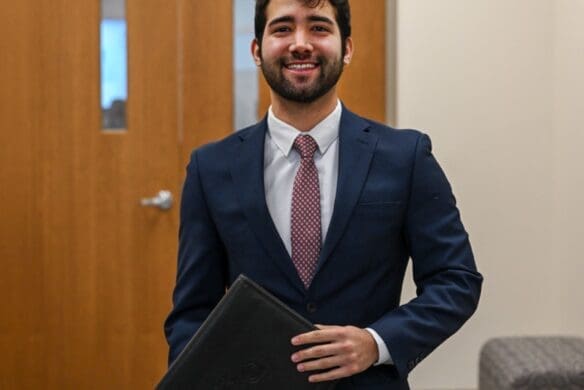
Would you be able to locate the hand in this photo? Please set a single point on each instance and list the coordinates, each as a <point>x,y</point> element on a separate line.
<point>341,350</point>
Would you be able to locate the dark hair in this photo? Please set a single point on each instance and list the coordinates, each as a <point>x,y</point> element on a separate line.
<point>343,16</point>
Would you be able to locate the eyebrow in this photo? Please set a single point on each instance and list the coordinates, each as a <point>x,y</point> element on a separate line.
<point>289,19</point>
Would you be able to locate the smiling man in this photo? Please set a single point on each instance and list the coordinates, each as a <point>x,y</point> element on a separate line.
<point>324,209</point>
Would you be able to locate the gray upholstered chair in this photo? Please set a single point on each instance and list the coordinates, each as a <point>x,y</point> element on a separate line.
<point>528,363</point>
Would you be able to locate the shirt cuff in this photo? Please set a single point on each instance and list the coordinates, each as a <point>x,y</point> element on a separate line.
<point>384,356</point>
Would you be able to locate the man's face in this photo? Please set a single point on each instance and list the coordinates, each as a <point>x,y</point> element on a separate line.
<point>301,51</point>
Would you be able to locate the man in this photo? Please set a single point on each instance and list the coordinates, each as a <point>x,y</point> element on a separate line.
<point>324,208</point>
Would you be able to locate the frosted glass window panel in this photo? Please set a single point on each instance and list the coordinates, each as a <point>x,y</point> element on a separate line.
<point>245,70</point>
<point>114,64</point>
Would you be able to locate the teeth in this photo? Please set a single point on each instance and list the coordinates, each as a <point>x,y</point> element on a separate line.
<point>301,66</point>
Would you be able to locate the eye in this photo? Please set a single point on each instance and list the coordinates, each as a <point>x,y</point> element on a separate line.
<point>281,29</point>
<point>320,28</point>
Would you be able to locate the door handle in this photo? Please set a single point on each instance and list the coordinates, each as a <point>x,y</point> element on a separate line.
<point>163,200</point>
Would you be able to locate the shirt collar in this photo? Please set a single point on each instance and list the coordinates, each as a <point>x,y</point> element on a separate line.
<point>324,133</point>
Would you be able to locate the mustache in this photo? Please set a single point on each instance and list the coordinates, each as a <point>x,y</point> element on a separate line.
<point>317,60</point>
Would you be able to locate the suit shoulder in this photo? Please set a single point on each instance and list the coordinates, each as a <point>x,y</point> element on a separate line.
<point>406,135</point>
<point>222,147</point>
<point>405,138</point>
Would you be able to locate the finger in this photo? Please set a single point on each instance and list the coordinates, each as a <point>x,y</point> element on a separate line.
<point>320,326</point>
<point>337,373</point>
<point>320,351</point>
<point>320,364</point>
<point>318,336</point>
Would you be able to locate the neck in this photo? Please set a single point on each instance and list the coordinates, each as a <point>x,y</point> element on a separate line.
<point>304,116</point>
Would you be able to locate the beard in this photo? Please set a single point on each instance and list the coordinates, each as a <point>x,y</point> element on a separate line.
<point>302,92</point>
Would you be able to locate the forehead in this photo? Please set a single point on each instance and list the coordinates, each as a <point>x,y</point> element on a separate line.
<point>298,10</point>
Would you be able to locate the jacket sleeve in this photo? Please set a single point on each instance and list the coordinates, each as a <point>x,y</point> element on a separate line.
<point>201,271</point>
<point>448,283</point>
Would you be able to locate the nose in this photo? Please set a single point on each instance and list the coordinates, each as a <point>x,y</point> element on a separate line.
<point>301,43</point>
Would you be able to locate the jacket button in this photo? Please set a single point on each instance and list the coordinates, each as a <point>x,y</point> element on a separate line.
<point>311,307</point>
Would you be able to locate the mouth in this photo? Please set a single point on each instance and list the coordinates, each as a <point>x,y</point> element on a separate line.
<point>301,67</point>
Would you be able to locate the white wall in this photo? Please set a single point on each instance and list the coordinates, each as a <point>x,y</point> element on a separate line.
<point>498,86</point>
<point>568,174</point>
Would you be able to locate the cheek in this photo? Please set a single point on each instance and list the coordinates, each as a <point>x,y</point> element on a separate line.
<point>330,48</point>
<point>271,49</point>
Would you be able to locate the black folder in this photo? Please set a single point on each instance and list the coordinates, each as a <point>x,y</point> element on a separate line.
<point>243,345</point>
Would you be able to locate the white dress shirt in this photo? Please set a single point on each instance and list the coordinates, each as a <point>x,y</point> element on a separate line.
<point>281,162</point>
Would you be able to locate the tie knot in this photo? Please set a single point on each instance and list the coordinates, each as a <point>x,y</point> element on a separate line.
<point>305,145</point>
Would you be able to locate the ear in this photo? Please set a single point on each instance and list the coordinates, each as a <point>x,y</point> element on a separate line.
<point>348,51</point>
<point>256,52</point>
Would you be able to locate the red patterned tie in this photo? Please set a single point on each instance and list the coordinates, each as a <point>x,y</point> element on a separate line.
<point>305,223</point>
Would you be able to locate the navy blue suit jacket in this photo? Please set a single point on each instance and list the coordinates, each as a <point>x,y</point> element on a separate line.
<point>393,202</point>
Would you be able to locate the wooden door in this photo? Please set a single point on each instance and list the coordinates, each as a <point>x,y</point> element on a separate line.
<point>87,272</point>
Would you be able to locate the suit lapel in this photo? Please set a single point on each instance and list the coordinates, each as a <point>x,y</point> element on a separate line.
<point>247,172</point>
<point>356,147</point>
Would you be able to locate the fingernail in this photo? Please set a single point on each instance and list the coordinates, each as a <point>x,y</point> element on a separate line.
<point>300,367</point>
<point>294,341</point>
<point>294,358</point>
